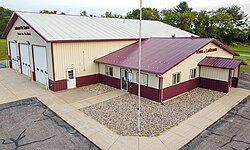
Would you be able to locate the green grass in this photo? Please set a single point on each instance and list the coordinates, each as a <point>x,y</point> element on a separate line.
<point>241,48</point>
<point>247,60</point>
<point>3,50</point>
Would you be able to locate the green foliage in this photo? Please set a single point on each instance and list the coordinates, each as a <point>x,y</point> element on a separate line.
<point>183,21</point>
<point>182,7</point>
<point>83,13</point>
<point>226,24</point>
<point>245,59</point>
<point>240,48</point>
<point>147,14</point>
<point>5,15</point>
<point>110,15</point>
<point>51,12</point>
<point>3,50</point>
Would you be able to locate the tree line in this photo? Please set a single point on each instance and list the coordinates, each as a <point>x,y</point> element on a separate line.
<point>227,24</point>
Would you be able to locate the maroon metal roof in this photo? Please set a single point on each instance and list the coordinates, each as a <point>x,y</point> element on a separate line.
<point>158,54</point>
<point>226,63</point>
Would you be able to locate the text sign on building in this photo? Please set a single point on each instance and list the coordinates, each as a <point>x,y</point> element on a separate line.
<point>20,28</point>
<point>201,51</point>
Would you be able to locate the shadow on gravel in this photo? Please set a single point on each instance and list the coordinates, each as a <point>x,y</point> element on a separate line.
<point>29,124</point>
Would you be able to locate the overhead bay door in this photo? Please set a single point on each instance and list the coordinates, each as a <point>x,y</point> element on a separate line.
<point>25,59</point>
<point>40,59</point>
<point>13,50</point>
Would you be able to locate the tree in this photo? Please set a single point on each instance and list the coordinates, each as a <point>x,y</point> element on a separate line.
<point>48,12</point>
<point>110,15</point>
<point>183,20</point>
<point>147,14</point>
<point>182,7</point>
<point>83,13</point>
<point>5,15</point>
<point>51,12</point>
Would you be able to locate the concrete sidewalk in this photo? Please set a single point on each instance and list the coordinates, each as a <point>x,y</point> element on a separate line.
<point>14,87</point>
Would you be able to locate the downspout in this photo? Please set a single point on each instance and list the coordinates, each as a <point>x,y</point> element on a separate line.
<point>160,89</point>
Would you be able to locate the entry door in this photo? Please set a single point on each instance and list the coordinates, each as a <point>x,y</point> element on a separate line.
<point>40,59</point>
<point>25,59</point>
<point>124,79</point>
<point>13,50</point>
<point>71,78</point>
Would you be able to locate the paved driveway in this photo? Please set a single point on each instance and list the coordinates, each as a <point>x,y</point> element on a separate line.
<point>231,132</point>
<point>28,124</point>
<point>14,87</point>
<point>2,64</point>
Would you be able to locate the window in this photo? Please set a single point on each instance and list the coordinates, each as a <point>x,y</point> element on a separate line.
<point>109,70</point>
<point>144,79</point>
<point>71,74</point>
<point>176,78</point>
<point>130,76</point>
<point>193,73</point>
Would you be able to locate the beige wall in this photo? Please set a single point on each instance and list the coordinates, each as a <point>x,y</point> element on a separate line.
<point>214,73</point>
<point>192,62</point>
<point>153,80</point>
<point>70,55</point>
<point>235,72</point>
<point>34,39</point>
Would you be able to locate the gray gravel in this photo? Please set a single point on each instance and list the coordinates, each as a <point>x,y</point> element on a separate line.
<point>120,115</point>
<point>97,89</point>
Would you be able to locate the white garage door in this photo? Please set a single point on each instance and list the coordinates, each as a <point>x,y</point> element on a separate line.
<point>25,59</point>
<point>13,50</point>
<point>40,59</point>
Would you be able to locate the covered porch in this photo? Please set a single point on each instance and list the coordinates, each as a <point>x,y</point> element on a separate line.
<point>219,74</point>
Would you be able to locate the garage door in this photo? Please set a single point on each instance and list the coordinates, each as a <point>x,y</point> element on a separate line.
<point>13,50</point>
<point>25,59</point>
<point>40,59</point>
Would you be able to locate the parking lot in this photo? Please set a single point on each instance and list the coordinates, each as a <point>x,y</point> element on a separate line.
<point>28,124</point>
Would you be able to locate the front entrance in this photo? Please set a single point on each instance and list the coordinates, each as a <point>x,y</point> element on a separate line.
<point>124,79</point>
<point>71,78</point>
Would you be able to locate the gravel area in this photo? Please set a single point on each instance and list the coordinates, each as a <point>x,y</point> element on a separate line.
<point>120,115</point>
<point>97,89</point>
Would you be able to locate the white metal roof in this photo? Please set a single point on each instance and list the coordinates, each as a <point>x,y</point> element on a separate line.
<point>69,27</point>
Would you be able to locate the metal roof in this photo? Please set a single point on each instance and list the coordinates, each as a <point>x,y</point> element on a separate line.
<point>158,54</point>
<point>226,63</point>
<point>69,27</point>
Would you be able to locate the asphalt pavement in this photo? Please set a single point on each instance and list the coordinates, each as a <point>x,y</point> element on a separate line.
<point>30,125</point>
<point>231,132</point>
<point>2,64</point>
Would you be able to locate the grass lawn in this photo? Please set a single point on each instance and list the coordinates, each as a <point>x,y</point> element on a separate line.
<point>247,60</point>
<point>3,49</point>
<point>241,48</point>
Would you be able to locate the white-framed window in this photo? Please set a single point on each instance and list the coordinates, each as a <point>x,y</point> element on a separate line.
<point>176,78</point>
<point>109,70</point>
<point>130,76</point>
<point>193,73</point>
<point>144,79</point>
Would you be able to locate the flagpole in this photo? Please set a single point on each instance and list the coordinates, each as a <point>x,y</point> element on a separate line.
<point>139,68</point>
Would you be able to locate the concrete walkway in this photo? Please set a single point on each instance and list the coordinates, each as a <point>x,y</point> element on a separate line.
<point>14,87</point>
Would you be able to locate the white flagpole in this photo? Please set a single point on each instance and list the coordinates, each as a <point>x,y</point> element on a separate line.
<point>139,68</point>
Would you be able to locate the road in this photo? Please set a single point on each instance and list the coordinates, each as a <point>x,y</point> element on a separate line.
<point>2,64</point>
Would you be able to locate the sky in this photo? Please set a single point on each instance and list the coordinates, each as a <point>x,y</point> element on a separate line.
<point>99,7</point>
